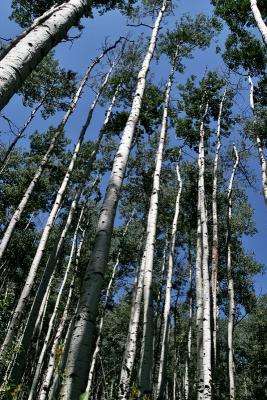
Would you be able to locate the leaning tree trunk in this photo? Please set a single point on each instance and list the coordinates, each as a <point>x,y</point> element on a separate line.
<point>22,302</point>
<point>231,292</point>
<point>24,201</point>
<point>6,158</point>
<point>215,242</point>
<point>167,304</point>
<point>259,144</point>
<point>78,364</point>
<point>28,49</point>
<point>107,298</point>
<point>205,267</point>
<point>146,363</point>
<point>259,20</point>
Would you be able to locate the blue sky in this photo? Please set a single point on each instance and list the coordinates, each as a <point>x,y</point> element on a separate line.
<point>76,56</point>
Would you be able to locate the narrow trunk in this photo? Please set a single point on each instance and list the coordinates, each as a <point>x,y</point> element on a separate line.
<point>28,49</point>
<point>199,308</point>
<point>259,20</point>
<point>22,302</point>
<point>167,305</point>
<point>131,342</point>
<point>231,293</point>
<point>215,243</point>
<point>78,363</point>
<point>107,297</point>
<point>259,145</point>
<point>147,351</point>
<point>6,158</point>
<point>18,212</point>
<point>206,320</point>
<point>189,335</point>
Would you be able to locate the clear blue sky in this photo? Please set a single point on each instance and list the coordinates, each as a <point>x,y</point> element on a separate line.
<point>77,57</point>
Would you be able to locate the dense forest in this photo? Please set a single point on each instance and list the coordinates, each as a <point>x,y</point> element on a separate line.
<point>133,185</point>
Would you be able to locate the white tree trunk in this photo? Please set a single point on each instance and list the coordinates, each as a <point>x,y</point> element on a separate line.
<point>189,335</point>
<point>231,293</point>
<point>18,212</point>
<point>215,243</point>
<point>17,315</point>
<point>205,267</point>
<point>259,20</point>
<point>259,144</point>
<point>26,52</point>
<point>167,304</point>
<point>107,297</point>
<point>131,341</point>
<point>78,363</point>
<point>146,362</point>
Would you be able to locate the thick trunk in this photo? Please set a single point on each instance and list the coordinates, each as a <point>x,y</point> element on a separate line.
<point>231,293</point>
<point>259,145</point>
<point>107,298</point>
<point>259,20</point>
<point>147,351</point>
<point>26,52</point>
<point>206,321</point>
<point>131,342</point>
<point>167,304</point>
<point>81,348</point>
<point>17,214</point>
<point>215,243</point>
<point>6,158</point>
<point>17,316</point>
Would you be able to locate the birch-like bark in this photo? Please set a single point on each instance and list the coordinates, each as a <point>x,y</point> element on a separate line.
<point>167,304</point>
<point>7,156</point>
<point>146,363</point>
<point>18,212</point>
<point>131,341</point>
<point>206,321</point>
<point>81,348</point>
<point>231,292</point>
<point>215,242</point>
<point>199,307</point>
<point>27,51</point>
<point>39,365</point>
<point>107,297</point>
<point>259,144</point>
<point>259,20</point>
<point>189,334</point>
<point>17,315</point>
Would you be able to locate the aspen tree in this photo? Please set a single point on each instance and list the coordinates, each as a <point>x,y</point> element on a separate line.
<point>167,304</point>
<point>259,20</point>
<point>107,297</point>
<point>259,144</point>
<point>77,368</point>
<point>29,48</point>
<point>189,334</point>
<point>205,266</point>
<point>215,244</point>
<point>231,292</point>
<point>19,210</point>
<point>17,315</point>
<point>146,364</point>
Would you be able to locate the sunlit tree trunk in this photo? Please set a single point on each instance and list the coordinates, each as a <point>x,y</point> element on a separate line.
<point>259,145</point>
<point>215,242</point>
<point>259,20</point>
<point>107,297</point>
<point>231,292</point>
<point>78,364</point>
<point>17,315</point>
<point>167,304</point>
<point>24,201</point>
<point>189,334</point>
<point>22,56</point>
<point>206,320</point>
<point>199,307</point>
<point>147,351</point>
